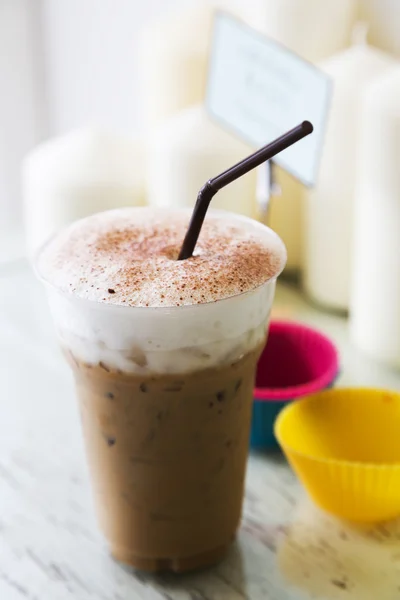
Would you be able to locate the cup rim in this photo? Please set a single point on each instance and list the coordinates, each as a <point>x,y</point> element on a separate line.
<point>265,394</point>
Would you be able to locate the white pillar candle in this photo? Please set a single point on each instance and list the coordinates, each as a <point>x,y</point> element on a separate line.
<point>173,57</point>
<point>172,61</point>
<point>185,152</point>
<point>286,217</point>
<point>314,29</point>
<point>383,18</point>
<point>330,205</point>
<point>75,175</point>
<point>375,297</point>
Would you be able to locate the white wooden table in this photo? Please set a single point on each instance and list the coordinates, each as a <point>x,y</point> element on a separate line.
<point>50,548</point>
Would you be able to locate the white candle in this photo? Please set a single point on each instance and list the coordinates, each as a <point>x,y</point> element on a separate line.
<point>172,61</point>
<point>185,152</point>
<point>173,57</point>
<point>383,18</point>
<point>75,175</point>
<point>286,217</point>
<point>330,205</point>
<point>375,298</point>
<point>314,29</point>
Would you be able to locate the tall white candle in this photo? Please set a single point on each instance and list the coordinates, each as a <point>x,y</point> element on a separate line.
<point>173,56</point>
<point>329,206</point>
<point>75,175</point>
<point>185,152</point>
<point>286,217</point>
<point>172,61</point>
<point>383,18</point>
<point>314,29</point>
<point>375,297</point>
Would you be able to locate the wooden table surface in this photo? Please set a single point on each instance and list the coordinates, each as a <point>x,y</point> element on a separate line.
<point>50,547</point>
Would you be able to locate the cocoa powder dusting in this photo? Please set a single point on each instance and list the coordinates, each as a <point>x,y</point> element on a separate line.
<point>129,256</point>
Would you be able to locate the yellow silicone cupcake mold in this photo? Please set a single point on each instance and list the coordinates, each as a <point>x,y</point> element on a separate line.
<point>344,445</point>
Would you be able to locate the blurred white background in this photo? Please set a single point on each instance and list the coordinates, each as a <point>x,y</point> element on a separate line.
<point>65,63</point>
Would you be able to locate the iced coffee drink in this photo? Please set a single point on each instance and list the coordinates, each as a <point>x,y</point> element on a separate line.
<point>164,354</point>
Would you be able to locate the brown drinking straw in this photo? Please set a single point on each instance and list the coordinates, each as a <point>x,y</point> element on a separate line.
<point>212,186</point>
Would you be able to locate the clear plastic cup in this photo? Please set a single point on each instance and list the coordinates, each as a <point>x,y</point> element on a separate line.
<point>166,398</point>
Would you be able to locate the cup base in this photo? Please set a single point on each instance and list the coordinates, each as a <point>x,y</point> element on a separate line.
<point>175,564</point>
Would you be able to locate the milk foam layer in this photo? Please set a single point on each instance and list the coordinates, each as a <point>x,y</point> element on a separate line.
<point>164,339</point>
<point>129,257</point>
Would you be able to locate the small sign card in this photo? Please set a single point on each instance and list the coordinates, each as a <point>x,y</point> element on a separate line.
<point>259,89</point>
